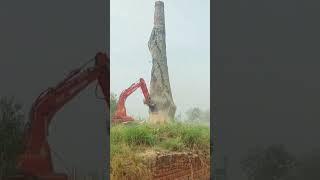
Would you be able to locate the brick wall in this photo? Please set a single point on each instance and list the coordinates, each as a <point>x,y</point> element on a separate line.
<point>179,166</point>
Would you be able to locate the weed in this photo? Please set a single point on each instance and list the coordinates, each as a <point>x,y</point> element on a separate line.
<point>127,165</point>
<point>172,144</point>
<point>139,135</point>
<point>198,137</point>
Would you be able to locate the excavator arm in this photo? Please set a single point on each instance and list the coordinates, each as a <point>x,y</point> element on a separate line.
<point>121,113</point>
<point>36,158</point>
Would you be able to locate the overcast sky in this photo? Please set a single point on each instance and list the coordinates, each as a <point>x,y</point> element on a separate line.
<point>188,50</point>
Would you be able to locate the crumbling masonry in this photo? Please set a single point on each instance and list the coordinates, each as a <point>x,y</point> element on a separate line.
<point>160,90</point>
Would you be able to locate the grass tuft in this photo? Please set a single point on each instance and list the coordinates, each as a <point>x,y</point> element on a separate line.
<point>172,144</point>
<point>139,135</point>
<point>125,164</point>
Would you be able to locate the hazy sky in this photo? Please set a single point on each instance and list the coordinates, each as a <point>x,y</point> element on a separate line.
<point>188,50</point>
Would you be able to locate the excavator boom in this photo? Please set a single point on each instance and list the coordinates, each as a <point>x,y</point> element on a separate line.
<point>121,113</point>
<point>35,160</point>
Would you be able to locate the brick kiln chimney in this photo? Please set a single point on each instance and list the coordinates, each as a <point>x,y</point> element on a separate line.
<point>160,90</point>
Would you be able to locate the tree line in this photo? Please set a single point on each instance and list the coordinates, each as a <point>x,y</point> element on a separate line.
<point>275,162</point>
<point>12,126</point>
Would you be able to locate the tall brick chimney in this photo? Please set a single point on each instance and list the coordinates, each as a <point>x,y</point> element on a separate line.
<point>159,20</point>
<point>160,90</point>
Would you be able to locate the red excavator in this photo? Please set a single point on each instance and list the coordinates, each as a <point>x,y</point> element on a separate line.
<point>35,161</point>
<point>120,115</point>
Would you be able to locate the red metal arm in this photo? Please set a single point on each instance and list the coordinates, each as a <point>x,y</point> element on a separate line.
<point>36,159</point>
<point>121,114</point>
<point>144,89</point>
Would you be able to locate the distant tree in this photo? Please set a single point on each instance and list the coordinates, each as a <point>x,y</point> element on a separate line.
<point>205,116</point>
<point>113,103</point>
<point>271,163</point>
<point>307,168</point>
<point>194,114</point>
<point>11,134</point>
<point>197,115</point>
<point>178,117</point>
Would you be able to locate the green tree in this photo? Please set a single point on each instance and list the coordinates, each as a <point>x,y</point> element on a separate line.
<point>11,134</point>
<point>271,163</point>
<point>113,103</point>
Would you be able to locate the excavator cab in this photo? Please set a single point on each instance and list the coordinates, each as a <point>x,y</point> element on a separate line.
<point>120,115</point>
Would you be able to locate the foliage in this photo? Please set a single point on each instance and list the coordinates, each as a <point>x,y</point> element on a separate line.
<point>195,137</point>
<point>173,144</point>
<point>307,168</point>
<point>188,135</point>
<point>113,103</point>
<point>140,135</point>
<point>273,162</point>
<point>11,134</point>
<point>195,114</point>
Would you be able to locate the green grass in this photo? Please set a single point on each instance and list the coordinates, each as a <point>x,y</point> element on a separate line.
<point>127,141</point>
<point>125,164</point>
<point>172,144</point>
<point>183,135</point>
